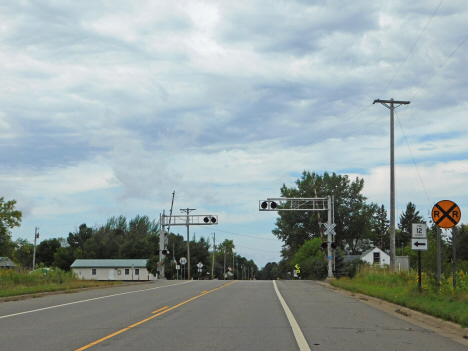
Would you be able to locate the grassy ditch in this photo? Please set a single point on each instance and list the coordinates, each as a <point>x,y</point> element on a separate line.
<point>402,289</point>
<point>18,282</point>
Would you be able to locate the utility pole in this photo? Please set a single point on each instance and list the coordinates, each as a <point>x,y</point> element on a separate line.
<point>224,263</point>
<point>214,251</point>
<point>36,236</point>
<point>390,104</point>
<point>187,211</point>
<point>232,251</point>
<point>162,242</point>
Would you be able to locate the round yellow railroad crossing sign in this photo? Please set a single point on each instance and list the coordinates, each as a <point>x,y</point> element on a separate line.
<point>446,214</point>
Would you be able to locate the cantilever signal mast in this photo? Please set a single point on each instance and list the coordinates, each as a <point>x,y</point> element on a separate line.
<point>390,104</point>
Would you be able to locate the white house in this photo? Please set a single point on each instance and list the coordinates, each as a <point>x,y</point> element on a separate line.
<point>375,256</point>
<point>5,262</point>
<point>112,269</point>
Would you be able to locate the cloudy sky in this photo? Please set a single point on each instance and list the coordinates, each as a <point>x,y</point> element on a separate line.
<point>107,107</point>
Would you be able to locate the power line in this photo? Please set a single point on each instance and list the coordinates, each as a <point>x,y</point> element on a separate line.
<point>248,236</point>
<point>448,58</point>
<point>419,174</point>
<point>297,150</point>
<point>323,148</point>
<point>249,248</point>
<point>430,19</point>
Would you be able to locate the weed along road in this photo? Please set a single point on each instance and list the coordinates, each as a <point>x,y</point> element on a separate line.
<point>209,315</point>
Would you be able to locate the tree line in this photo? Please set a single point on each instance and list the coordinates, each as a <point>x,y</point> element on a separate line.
<point>120,238</point>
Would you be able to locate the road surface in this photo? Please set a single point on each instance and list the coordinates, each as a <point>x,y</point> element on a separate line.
<point>209,315</point>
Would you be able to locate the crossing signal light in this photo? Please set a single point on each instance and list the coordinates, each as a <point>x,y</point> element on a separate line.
<point>269,205</point>
<point>209,219</point>
<point>324,245</point>
<point>165,252</point>
<point>333,245</point>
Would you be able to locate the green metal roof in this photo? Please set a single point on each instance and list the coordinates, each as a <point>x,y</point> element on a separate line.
<point>96,263</point>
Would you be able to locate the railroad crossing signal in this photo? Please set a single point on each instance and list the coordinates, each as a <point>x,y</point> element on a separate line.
<point>209,219</point>
<point>268,205</point>
<point>330,228</point>
<point>446,214</point>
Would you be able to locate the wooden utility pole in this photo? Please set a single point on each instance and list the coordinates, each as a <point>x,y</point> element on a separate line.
<point>390,104</point>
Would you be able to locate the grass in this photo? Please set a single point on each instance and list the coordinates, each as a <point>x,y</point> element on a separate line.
<point>22,282</point>
<point>402,288</point>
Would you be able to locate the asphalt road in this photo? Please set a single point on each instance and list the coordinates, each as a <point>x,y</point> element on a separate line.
<point>209,315</point>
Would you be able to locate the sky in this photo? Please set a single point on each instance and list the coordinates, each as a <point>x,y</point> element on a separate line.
<point>108,107</point>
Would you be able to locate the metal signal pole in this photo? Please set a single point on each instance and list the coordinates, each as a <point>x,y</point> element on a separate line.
<point>214,250</point>
<point>187,211</point>
<point>390,104</point>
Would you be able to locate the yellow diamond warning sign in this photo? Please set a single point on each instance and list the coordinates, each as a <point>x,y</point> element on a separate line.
<point>446,214</point>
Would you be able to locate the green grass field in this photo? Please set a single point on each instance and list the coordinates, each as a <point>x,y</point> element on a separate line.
<point>402,289</point>
<point>18,282</point>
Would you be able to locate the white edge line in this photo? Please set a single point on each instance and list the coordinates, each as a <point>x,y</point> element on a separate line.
<point>95,298</point>
<point>301,341</point>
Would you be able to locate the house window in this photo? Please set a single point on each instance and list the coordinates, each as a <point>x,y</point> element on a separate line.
<point>127,271</point>
<point>93,271</point>
<point>137,271</point>
<point>376,257</point>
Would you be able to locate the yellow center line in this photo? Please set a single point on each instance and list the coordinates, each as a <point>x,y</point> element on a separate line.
<point>160,309</point>
<point>147,319</point>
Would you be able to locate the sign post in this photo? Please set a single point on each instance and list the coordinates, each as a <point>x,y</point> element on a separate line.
<point>419,243</point>
<point>446,214</point>
<point>183,261</point>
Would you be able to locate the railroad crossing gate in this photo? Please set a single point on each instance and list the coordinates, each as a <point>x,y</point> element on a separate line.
<point>446,214</point>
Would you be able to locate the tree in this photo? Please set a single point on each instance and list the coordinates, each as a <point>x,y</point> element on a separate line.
<point>152,264</point>
<point>407,218</point>
<point>353,216</point>
<point>64,258</point>
<point>45,251</point>
<point>311,260</point>
<point>9,218</point>
<point>77,241</point>
<point>269,272</point>
<point>23,253</point>
<point>225,252</point>
<point>380,236</point>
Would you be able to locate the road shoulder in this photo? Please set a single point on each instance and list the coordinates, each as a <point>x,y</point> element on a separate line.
<point>444,328</point>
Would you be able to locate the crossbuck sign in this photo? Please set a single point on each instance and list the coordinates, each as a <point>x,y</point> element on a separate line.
<point>330,229</point>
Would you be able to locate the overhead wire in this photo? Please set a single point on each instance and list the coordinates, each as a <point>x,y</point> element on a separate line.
<point>249,236</point>
<point>420,35</point>
<point>411,153</point>
<point>448,58</point>
<point>296,151</point>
